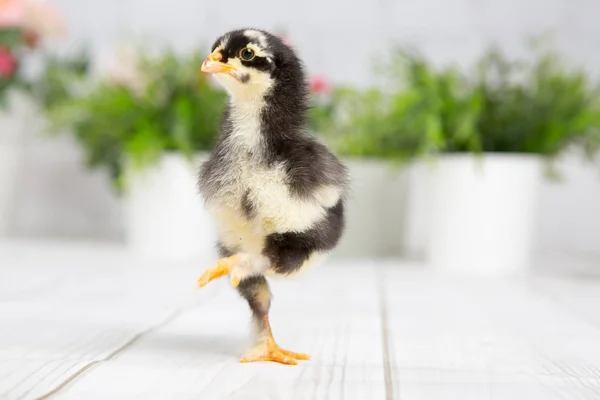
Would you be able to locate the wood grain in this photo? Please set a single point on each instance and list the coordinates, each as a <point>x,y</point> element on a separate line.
<point>332,314</point>
<point>90,322</point>
<point>466,338</point>
<point>64,308</point>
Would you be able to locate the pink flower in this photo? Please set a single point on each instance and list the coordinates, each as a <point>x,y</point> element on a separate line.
<point>12,13</point>
<point>34,15</point>
<point>8,63</point>
<point>286,41</point>
<point>42,19</point>
<point>319,85</point>
<point>123,67</point>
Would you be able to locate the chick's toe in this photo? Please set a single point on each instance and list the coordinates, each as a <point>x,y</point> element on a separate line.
<point>270,351</point>
<point>221,268</point>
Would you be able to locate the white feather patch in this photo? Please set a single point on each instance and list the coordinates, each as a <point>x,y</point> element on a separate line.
<point>256,35</point>
<point>275,208</point>
<point>225,41</point>
<point>252,91</point>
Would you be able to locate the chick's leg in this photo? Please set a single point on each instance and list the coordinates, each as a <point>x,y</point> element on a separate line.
<point>256,291</point>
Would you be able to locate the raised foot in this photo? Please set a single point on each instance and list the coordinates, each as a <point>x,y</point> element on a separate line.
<point>270,351</point>
<point>221,268</point>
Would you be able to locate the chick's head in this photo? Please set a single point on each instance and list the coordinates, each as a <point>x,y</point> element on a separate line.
<point>250,62</point>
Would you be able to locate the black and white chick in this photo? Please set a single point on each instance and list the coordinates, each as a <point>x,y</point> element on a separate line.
<point>275,191</point>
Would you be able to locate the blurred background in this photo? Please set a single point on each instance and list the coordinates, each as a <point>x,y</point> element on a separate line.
<point>470,126</point>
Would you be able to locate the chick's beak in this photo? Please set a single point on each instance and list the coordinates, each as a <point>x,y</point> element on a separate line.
<point>213,65</point>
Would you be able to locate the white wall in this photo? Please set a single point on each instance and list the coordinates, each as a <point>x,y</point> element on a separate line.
<point>328,33</point>
<point>339,40</point>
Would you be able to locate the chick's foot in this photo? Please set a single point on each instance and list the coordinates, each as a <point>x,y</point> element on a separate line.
<point>221,268</point>
<point>270,351</point>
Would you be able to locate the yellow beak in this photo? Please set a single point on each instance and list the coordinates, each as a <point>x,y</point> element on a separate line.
<point>213,65</point>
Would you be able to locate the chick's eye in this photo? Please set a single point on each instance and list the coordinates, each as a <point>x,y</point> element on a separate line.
<point>247,54</point>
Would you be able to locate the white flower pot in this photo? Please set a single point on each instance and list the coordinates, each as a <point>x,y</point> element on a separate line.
<point>375,210</point>
<point>165,214</point>
<point>9,163</point>
<point>14,122</point>
<point>483,213</point>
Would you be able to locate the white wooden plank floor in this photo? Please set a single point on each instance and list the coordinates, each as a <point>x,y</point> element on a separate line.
<point>89,322</point>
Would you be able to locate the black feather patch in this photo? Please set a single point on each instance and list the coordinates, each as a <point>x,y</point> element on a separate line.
<point>224,251</point>
<point>255,289</point>
<point>288,251</point>
<point>247,206</point>
<point>244,78</point>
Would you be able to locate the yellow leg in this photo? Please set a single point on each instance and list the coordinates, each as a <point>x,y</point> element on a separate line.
<point>269,350</point>
<point>221,268</point>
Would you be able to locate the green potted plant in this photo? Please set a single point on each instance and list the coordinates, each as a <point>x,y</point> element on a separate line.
<point>149,123</point>
<point>24,26</point>
<point>484,208</point>
<point>492,132</point>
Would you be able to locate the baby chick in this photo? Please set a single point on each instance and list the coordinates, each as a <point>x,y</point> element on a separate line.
<point>276,192</point>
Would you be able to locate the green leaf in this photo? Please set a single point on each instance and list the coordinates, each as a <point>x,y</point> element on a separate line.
<point>166,106</point>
